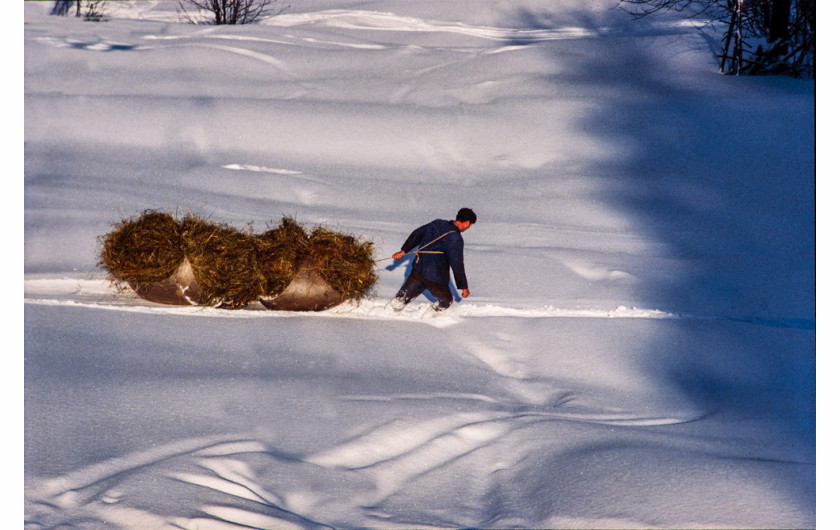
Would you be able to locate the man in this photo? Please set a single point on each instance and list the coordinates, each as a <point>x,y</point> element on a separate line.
<point>439,247</point>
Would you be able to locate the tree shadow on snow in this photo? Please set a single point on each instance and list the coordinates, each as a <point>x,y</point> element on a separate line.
<point>721,171</point>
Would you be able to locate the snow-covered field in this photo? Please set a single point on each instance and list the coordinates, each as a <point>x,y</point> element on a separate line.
<point>639,349</point>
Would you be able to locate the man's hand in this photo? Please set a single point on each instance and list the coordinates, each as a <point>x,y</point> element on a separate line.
<point>398,255</point>
<point>465,293</point>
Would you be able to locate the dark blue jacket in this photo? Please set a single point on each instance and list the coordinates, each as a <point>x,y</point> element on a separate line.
<point>447,252</point>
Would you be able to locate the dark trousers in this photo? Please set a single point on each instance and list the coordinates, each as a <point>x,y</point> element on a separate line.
<point>416,284</point>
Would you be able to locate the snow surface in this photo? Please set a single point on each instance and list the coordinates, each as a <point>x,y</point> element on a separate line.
<point>639,349</point>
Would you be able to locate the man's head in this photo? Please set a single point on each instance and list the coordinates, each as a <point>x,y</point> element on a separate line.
<point>465,219</point>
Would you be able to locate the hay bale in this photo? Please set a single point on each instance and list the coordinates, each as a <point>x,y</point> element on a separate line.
<point>343,261</point>
<point>334,268</point>
<point>143,250</point>
<point>224,261</point>
<point>280,252</point>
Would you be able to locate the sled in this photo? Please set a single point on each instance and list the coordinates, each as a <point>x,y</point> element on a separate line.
<point>181,288</point>
<point>308,291</point>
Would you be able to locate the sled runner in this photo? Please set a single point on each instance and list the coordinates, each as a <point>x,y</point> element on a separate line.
<point>179,289</point>
<point>308,291</point>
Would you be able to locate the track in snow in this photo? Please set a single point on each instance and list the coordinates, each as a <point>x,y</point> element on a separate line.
<point>101,294</point>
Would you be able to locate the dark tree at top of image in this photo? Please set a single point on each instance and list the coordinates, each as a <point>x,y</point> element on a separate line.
<point>762,37</point>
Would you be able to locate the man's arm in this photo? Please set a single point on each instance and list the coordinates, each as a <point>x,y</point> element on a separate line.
<point>456,262</point>
<point>413,240</point>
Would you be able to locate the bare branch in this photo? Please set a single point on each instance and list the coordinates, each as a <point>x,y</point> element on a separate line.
<point>222,12</point>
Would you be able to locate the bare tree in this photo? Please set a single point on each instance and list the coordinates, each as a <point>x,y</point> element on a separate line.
<point>94,10</point>
<point>761,36</point>
<point>62,7</point>
<point>221,12</point>
<point>89,9</point>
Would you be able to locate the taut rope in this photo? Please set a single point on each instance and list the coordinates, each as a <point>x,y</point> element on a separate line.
<point>421,251</point>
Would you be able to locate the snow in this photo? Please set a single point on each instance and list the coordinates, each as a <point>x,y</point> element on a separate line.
<point>639,349</point>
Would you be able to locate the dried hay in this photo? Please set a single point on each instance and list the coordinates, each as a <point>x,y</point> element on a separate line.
<point>224,261</point>
<point>280,252</point>
<point>198,262</point>
<point>345,263</point>
<point>143,250</point>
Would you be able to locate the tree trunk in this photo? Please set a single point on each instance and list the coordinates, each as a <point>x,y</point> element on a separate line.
<point>780,21</point>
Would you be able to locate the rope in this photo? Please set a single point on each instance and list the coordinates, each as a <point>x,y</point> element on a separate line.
<point>421,251</point>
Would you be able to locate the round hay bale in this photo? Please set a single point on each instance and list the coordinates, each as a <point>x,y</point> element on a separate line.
<point>344,262</point>
<point>224,261</point>
<point>280,252</point>
<point>337,268</point>
<point>143,250</point>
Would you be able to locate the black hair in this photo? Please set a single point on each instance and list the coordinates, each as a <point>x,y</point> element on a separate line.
<point>466,214</point>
